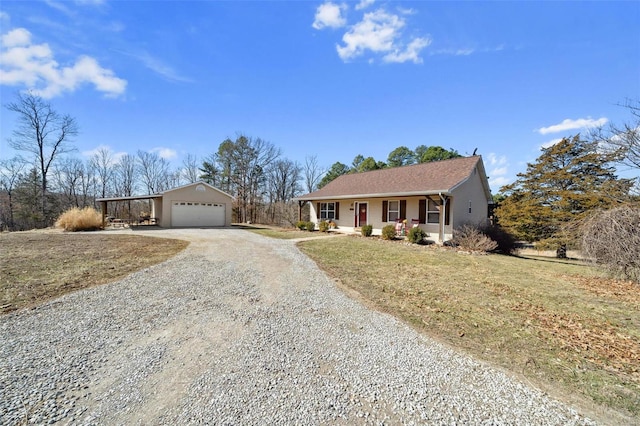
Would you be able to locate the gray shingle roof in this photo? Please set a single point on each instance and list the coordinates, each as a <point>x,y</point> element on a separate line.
<point>417,179</point>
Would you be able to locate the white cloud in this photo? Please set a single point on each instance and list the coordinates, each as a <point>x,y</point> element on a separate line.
<point>498,182</point>
<point>4,16</point>
<point>115,156</point>
<point>364,4</point>
<point>33,65</point>
<point>550,143</point>
<point>380,32</point>
<point>411,53</point>
<point>329,15</point>
<point>495,160</point>
<point>568,124</point>
<point>158,66</point>
<point>166,153</point>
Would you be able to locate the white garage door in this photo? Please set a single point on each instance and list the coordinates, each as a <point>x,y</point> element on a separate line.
<point>184,213</point>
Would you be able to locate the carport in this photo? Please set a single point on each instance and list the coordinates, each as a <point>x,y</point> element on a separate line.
<point>194,205</point>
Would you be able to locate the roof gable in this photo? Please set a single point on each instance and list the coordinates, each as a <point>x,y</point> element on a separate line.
<point>196,184</point>
<point>418,179</point>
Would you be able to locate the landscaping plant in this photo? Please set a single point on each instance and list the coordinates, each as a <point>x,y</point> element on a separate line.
<point>470,238</point>
<point>416,235</point>
<point>388,232</point>
<point>367,230</point>
<point>75,219</point>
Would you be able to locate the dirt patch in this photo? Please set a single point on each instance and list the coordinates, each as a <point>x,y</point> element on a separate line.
<point>39,266</point>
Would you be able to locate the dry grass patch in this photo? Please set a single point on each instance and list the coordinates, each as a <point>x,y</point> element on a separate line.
<point>543,320</point>
<point>39,266</point>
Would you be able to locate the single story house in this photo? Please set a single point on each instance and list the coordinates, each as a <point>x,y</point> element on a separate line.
<point>436,196</point>
<point>194,205</point>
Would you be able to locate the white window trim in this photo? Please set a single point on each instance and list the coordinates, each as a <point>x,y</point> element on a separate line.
<point>395,211</point>
<point>430,212</point>
<point>326,210</point>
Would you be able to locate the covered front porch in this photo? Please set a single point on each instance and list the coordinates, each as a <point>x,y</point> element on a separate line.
<point>432,213</point>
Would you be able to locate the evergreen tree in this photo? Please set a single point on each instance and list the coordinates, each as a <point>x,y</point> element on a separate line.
<point>337,169</point>
<point>437,153</point>
<point>569,180</point>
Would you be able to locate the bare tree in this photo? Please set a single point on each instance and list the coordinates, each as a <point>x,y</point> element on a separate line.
<point>312,173</point>
<point>283,183</point>
<point>244,164</point>
<point>45,134</point>
<point>73,180</point>
<point>190,172</point>
<point>611,239</point>
<point>154,171</point>
<point>624,139</point>
<point>103,165</point>
<point>10,174</point>
<point>125,176</point>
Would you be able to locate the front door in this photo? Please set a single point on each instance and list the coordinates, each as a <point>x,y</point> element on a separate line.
<point>362,214</point>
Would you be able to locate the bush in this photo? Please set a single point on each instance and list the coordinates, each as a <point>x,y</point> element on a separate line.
<point>388,232</point>
<point>367,230</point>
<point>75,219</point>
<point>416,235</point>
<point>311,226</point>
<point>506,242</point>
<point>323,226</point>
<point>301,225</point>
<point>470,238</point>
<point>611,239</point>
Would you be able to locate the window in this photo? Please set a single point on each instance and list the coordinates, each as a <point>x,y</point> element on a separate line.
<point>393,213</point>
<point>433,211</point>
<point>327,211</point>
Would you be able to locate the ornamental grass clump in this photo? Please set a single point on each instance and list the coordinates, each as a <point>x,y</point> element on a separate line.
<point>75,219</point>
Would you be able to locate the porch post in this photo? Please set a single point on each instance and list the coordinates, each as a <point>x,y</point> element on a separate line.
<point>103,204</point>
<point>443,216</point>
<point>300,204</point>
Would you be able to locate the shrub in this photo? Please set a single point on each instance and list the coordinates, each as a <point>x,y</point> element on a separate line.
<point>367,230</point>
<point>416,235</point>
<point>310,226</point>
<point>388,232</point>
<point>75,219</point>
<point>611,239</point>
<point>506,242</point>
<point>470,238</point>
<point>301,225</point>
<point>323,226</point>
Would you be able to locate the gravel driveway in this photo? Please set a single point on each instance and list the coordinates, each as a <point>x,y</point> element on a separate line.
<point>242,329</point>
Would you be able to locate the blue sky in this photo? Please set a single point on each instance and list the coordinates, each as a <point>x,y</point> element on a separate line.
<point>331,79</point>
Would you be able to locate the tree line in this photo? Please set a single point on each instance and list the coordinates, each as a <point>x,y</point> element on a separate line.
<point>570,179</point>
<point>45,179</point>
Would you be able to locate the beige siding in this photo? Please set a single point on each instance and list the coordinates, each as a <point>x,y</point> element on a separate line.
<point>470,193</point>
<point>190,194</point>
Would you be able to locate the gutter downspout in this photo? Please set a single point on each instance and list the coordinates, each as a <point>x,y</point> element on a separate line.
<point>442,216</point>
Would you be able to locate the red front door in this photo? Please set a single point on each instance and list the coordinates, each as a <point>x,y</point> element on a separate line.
<point>362,214</point>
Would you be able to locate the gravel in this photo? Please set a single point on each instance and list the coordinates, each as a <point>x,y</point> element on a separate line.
<point>241,329</point>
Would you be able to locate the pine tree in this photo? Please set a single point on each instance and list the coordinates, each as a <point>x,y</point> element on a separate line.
<point>569,180</point>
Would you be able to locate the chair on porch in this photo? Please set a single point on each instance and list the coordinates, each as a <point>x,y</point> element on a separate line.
<point>399,228</point>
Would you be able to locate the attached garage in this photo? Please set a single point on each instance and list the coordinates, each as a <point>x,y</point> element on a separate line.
<point>185,213</point>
